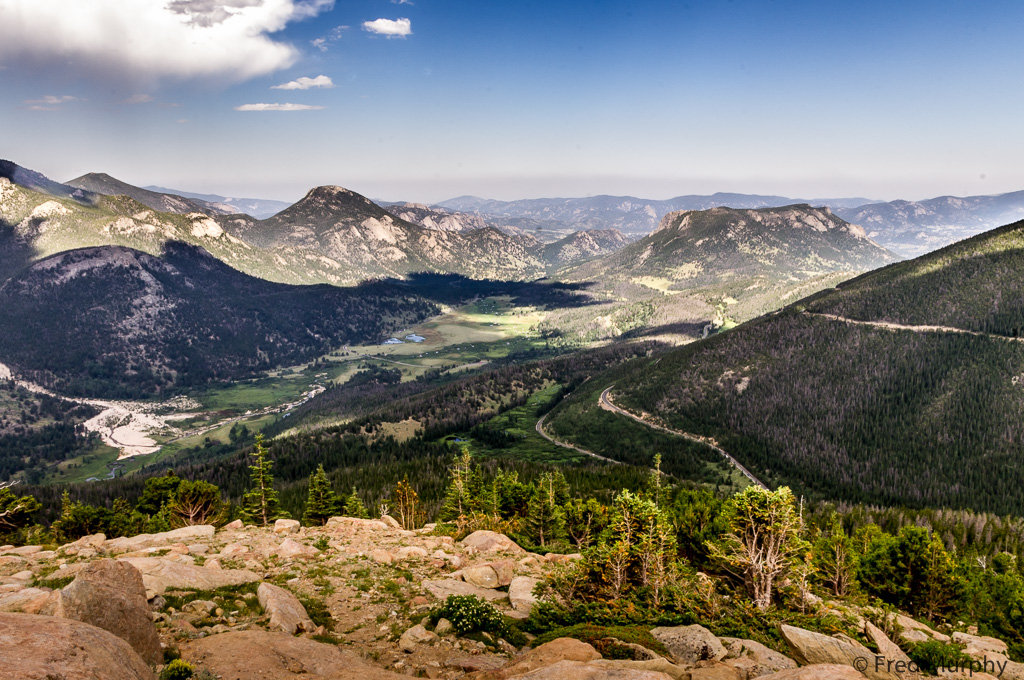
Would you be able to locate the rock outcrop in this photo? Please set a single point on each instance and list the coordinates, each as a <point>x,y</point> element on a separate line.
<point>814,648</point>
<point>46,648</point>
<point>690,645</point>
<point>110,595</point>
<point>286,612</point>
<point>159,574</point>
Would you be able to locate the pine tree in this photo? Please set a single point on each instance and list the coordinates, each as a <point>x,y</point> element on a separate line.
<point>545,518</point>
<point>407,504</point>
<point>458,498</point>
<point>260,503</point>
<point>322,503</point>
<point>354,506</point>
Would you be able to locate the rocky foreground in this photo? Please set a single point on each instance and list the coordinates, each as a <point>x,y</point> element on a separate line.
<point>341,602</point>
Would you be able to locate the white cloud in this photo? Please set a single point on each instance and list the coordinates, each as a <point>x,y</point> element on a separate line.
<point>277,107</point>
<point>48,103</point>
<point>139,99</point>
<point>229,40</point>
<point>320,44</point>
<point>401,2</point>
<point>306,84</point>
<point>325,42</point>
<point>392,28</point>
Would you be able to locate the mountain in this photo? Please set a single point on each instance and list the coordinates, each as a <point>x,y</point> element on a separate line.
<point>34,181</point>
<point>260,208</point>
<point>904,386</point>
<point>584,245</point>
<point>917,227</point>
<point>371,242</point>
<point>101,183</point>
<point>34,225</point>
<point>438,219</point>
<point>117,322</point>
<point>629,214</point>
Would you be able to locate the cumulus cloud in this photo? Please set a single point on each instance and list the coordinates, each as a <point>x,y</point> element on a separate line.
<point>306,84</point>
<point>277,107</point>
<point>139,99</point>
<point>392,28</point>
<point>227,40</point>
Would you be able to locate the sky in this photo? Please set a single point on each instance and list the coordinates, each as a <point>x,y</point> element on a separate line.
<point>424,100</point>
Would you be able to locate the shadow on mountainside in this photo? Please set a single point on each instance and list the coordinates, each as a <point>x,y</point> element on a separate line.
<point>456,289</point>
<point>15,254</point>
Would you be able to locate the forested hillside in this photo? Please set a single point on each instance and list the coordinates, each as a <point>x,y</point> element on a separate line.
<point>864,412</point>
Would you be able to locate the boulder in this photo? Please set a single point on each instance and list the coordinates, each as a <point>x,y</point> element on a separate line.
<point>236,525</point>
<point>110,595</point>
<point>286,612</point>
<point>717,671</point>
<point>579,670</point>
<point>356,523</point>
<point>690,644</point>
<point>26,600</point>
<point>816,672</point>
<point>755,658</point>
<point>506,571</point>
<point>381,556</point>
<point>291,549</point>
<point>490,541</point>
<point>481,577</point>
<point>45,648</point>
<point>391,522</point>
<point>278,656</point>
<point>442,588</point>
<point>886,647</point>
<point>520,593</point>
<point>444,627</point>
<point>545,656</point>
<point>660,664</point>
<point>116,546</point>
<point>417,635</point>
<point>410,551</point>
<point>159,575</point>
<point>813,648</point>
<point>233,550</point>
<point>980,642</point>
<point>287,526</point>
<point>908,624</point>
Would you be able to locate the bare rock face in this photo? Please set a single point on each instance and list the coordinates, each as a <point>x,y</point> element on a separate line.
<point>814,648</point>
<point>520,593</point>
<point>291,549</point>
<point>482,576</point>
<point>27,600</point>
<point>660,665</point>
<point>278,656</point>
<point>754,658</point>
<point>690,644</point>
<point>816,672</point>
<point>442,588</point>
<point>545,656</point>
<point>286,612</point>
<point>44,648</point>
<point>110,595</point>
<point>886,647</point>
<point>490,541</point>
<point>116,546</point>
<point>287,526</point>
<point>158,575</point>
<point>578,670</point>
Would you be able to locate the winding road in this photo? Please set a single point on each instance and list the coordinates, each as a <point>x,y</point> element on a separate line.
<point>542,433</point>
<point>605,401</point>
<point>892,326</point>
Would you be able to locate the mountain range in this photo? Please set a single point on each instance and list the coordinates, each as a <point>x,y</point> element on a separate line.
<point>900,387</point>
<point>260,208</point>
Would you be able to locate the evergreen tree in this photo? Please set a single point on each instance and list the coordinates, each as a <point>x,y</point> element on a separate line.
<point>322,503</point>
<point>354,506</point>
<point>407,504</point>
<point>16,512</point>
<point>545,519</point>
<point>458,498</point>
<point>196,503</point>
<point>260,503</point>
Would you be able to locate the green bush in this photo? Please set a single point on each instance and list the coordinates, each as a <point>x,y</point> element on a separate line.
<point>597,637</point>
<point>177,670</point>
<point>470,614</point>
<point>933,654</point>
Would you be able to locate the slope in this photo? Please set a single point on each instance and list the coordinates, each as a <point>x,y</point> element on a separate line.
<point>113,321</point>
<point>860,410</point>
<point>371,242</point>
<point>101,183</point>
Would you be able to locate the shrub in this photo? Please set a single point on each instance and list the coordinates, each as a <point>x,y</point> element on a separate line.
<point>177,670</point>
<point>470,614</point>
<point>600,638</point>
<point>933,654</point>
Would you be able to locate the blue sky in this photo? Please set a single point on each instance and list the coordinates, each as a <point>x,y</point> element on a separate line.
<point>515,100</point>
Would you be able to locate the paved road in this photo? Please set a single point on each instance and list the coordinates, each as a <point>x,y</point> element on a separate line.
<point>605,401</point>
<point>542,433</point>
